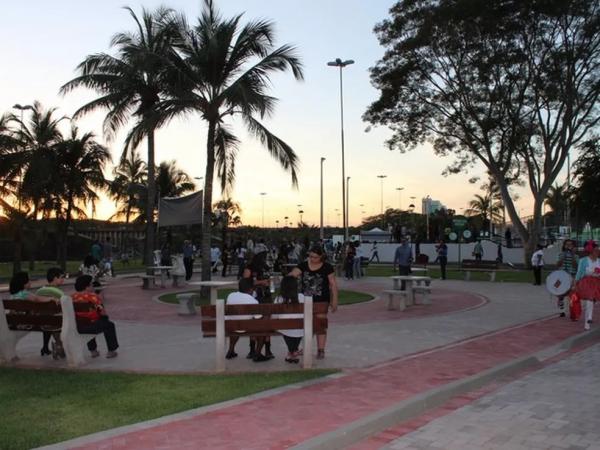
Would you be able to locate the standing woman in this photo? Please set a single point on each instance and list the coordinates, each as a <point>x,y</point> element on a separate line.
<point>588,282</point>
<point>567,261</point>
<point>317,279</point>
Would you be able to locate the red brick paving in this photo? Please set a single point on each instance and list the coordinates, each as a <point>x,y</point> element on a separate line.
<point>285,419</point>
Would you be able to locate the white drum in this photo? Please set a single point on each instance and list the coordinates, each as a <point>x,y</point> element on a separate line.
<point>558,282</point>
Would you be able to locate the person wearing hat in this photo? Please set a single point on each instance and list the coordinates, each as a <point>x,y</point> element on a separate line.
<point>98,320</point>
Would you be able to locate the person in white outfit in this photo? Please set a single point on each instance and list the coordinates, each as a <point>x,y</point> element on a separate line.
<point>537,263</point>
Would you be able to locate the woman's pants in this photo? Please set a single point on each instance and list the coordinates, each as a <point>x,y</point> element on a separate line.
<point>349,266</point>
<point>356,267</point>
<point>537,275</point>
<point>292,343</point>
<point>102,325</point>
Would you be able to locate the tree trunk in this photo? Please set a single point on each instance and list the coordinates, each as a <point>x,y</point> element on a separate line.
<point>34,244</point>
<point>62,262</point>
<point>149,245</point>
<point>18,255</point>
<point>207,213</point>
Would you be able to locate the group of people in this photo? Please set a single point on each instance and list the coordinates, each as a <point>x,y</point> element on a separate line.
<point>314,277</point>
<point>96,321</point>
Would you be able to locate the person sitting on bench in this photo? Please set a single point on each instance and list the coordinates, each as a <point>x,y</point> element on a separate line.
<point>99,319</point>
<point>55,277</point>
<point>244,297</point>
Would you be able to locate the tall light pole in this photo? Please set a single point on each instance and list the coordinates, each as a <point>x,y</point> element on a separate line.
<point>262,194</point>
<point>399,189</point>
<point>428,203</point>
<point>341,64</point>
<point>381,177</point>
<point>322,232</point>
<point>21,108</point>
<point>348,201</point>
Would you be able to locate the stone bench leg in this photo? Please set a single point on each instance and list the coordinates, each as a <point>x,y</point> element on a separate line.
<point>186,304</point>
<point>467,276</point>
<point>146,282</point>
<point>175,280</point>
<point>391,303</point>
<point>492,276</point>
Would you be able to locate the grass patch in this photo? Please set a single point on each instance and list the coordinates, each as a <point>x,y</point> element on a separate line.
<point>518,276</point>
<point>345,297</point>
<point>41,407</point>
<point>6,269</point>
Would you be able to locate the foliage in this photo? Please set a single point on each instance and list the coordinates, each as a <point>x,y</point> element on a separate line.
<point>586,192</point>
<point>512,85</point>
<point>42,407</point>
<point>127,187</point>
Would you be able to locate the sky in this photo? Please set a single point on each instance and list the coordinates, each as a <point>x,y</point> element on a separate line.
<point>42,42</point>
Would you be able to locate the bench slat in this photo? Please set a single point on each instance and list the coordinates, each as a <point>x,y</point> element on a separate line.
<point>263,326</point>
<point>29,306</point>
<point>232,310</point>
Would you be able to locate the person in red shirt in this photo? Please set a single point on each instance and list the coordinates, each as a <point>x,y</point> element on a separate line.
<point>99,322</point>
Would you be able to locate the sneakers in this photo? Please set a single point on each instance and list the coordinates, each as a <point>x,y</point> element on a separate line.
<point>562,314</point>
<point>586,327</point>
<point>112,354</point>
<point>259,357</point>
<point>251,354</point>
<point>269,355</point>
<point>231,355</point>
<point>95,353</point>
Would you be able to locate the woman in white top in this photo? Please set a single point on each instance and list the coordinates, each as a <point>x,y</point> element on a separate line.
<point>289,295</point>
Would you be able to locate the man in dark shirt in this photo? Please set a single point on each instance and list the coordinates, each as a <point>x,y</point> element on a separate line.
<point>403,258</point>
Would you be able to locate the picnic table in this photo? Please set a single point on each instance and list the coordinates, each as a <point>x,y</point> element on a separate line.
<point>162,271</point>
<point>410,281</point>
<point>214,287</point>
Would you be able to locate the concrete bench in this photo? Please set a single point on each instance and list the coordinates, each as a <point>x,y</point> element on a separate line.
<point>397,299</point>
<point>148,281</point>
<point>187,303</point>
<point>21,317</point>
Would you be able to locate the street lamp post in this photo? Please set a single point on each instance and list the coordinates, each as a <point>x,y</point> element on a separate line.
<point>322,232</point>
<point>428,199</point>
<point>381,177</point>
<point>262,194</point>
<point>399,189</point>
<point>341,64</point>
<point>348,201</point>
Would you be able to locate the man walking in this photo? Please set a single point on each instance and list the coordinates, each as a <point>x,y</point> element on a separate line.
<point>374,252</point>
<point>188,259</point>
<point>442,257</point>
<point>403,258</point>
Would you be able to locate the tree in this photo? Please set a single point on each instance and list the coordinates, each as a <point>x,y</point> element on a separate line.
<point>173,181</point>
<point>513,85</point>
<point>227,213</point>
<point>24,170</point>
<point>130,85</point>
<point>586,189</point>
<point>557,200</point>
<point>223,71</point>
<point>78,173</point>
<point>486,207</point>
<point>126,189</point>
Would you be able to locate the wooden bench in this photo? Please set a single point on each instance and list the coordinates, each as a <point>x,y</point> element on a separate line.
<point>472,265</point>
<point>261,323</point>
<point>20,317</point>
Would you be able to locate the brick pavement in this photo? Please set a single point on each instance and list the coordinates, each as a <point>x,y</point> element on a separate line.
<point>553,408</point>
<point>285,419</point>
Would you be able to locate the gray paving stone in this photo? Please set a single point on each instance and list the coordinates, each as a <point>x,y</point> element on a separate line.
<point>554,408</point>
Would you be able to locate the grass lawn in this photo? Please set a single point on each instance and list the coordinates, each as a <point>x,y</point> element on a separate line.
<point>345,297</point>
<point>521,276</point>
<point>41,407</point>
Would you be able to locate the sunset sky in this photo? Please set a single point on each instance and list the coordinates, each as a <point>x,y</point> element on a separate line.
<point>42,42</point>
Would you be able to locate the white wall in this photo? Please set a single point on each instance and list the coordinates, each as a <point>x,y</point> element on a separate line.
<point>490,252</point>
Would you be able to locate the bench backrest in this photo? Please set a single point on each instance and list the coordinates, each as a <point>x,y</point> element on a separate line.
<point>39,316</point>
<point>266,324</point>
<point>483,264</point>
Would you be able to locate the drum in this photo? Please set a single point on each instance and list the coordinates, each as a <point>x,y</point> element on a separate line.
<point>558,282</point>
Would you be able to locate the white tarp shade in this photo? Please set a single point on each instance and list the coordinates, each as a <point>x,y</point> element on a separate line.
<point>180,210</point>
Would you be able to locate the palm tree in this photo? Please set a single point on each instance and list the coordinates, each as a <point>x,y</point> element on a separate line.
<point>485,206</point>
<point>126,189</point>
<point>173,181</point>
<point>130,85</point>
<point>557,200</point>
<point>223,70</point>
<point>24,169</point>
<point>228,214</point>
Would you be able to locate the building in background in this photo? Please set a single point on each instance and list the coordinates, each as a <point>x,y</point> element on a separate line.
<point>429,205</point>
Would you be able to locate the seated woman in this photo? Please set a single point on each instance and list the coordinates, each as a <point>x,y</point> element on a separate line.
<point>18,288</point>
<point>289,295</point>
<point>99,320</point>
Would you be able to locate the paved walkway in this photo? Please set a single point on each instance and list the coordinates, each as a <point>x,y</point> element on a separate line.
<point>554,408</point>
<point>387,356</point>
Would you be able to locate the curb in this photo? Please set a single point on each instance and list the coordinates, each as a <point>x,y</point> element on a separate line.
<point>407,409</point>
